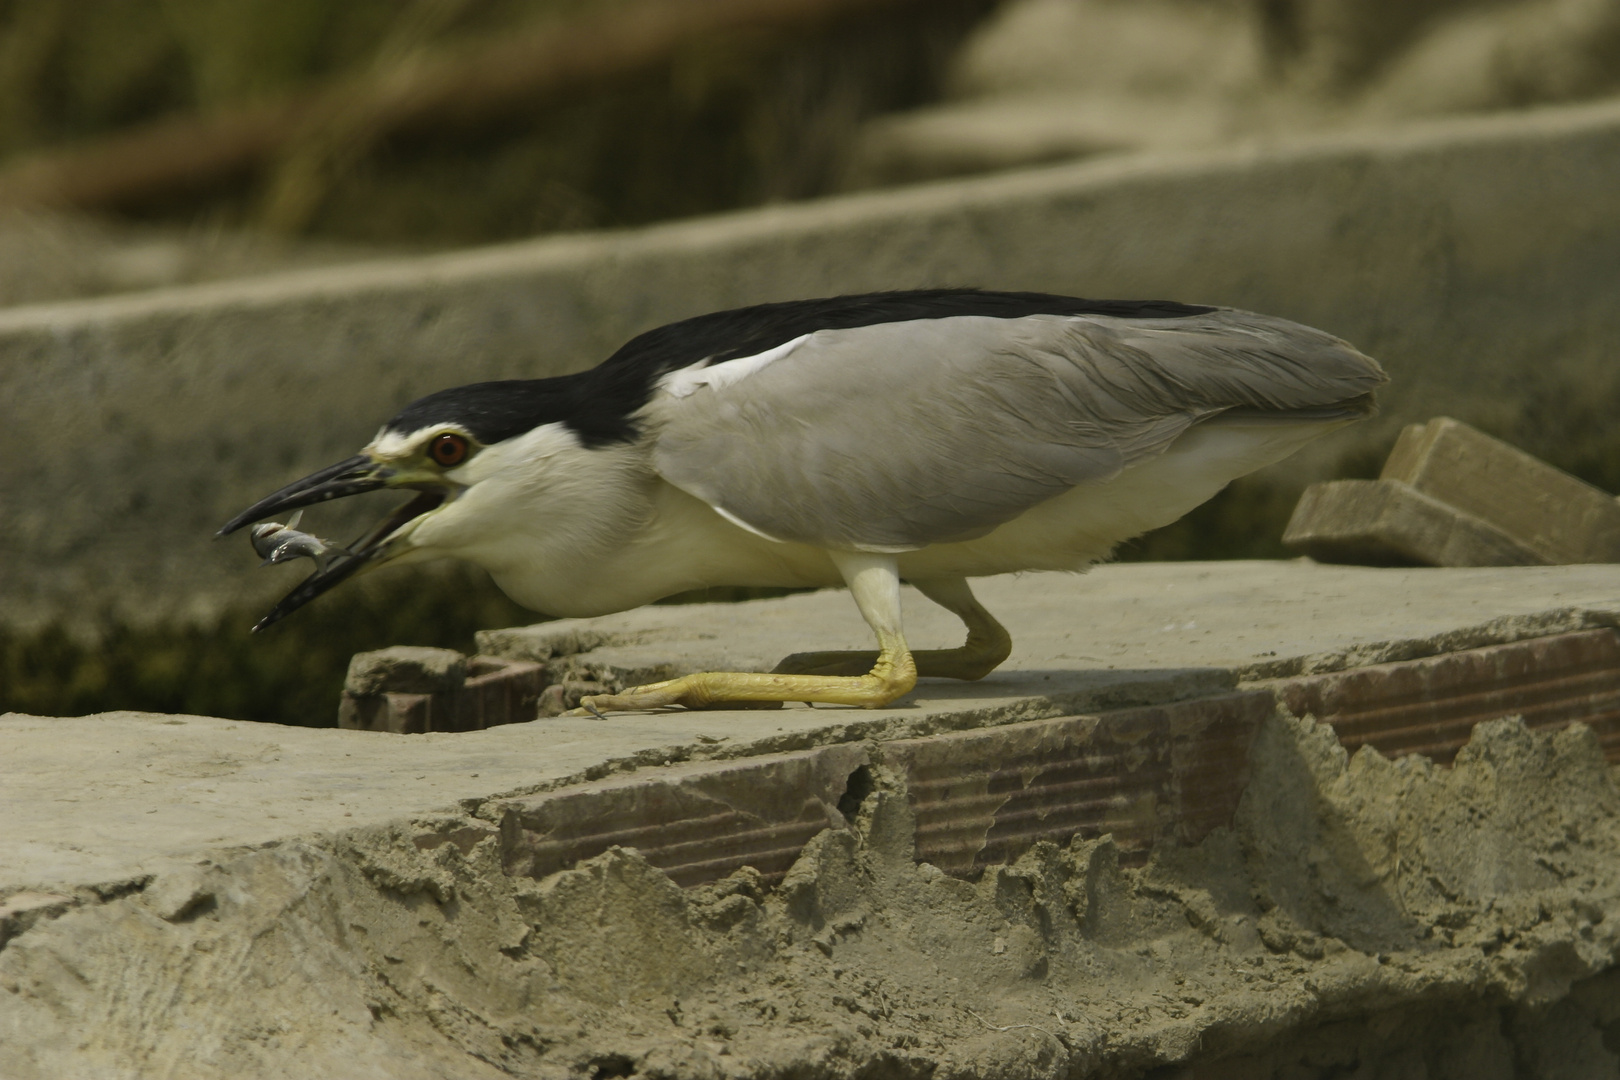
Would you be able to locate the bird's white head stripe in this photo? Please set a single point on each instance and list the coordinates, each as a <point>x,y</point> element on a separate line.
<point>686,380</point>
<point>395,444</point>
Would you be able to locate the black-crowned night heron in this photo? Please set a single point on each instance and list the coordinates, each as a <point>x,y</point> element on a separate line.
<point>928,436</point>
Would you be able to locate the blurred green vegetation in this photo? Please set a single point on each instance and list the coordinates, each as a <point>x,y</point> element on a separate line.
<point>291,674</point>
<point>70,69</point>
<point>737,119</point>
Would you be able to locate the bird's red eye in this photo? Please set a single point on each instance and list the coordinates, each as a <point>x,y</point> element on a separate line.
<point>448,450</point>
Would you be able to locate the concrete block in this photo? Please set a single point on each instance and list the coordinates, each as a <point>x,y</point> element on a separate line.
<point>1372,889</point>
<point>1450,495</point>
<point>1390,523</point>
<point>406,669</point>
<point>409,691</point>
<point>1560,518</point>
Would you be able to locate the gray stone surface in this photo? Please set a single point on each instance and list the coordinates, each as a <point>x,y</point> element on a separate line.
<point>406,669</point>
<point>100,799</point>
<point>1391,523</point>
<point>198,898</point>
<point>1560,518</point>
<point>1475,258</point>
<point>47,257</point>
<point>1450,495</point>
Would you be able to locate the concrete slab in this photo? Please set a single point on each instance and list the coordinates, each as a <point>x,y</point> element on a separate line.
<point>1450,495</point>
<point>101,799</point>
<point>198,898</point>
<point>1559,517</point>
<point>1253,618</point>
<point>1391,523</point>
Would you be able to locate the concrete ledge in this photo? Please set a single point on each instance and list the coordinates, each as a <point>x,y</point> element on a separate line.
<point>896,895</point>
<point>1449,495</point>
<point>1147,776</point>
<point>1475,258</point>
<point>169,788</point>
<point>1391,523</point>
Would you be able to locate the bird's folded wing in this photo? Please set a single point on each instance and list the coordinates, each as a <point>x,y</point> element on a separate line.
<point>893,436</point>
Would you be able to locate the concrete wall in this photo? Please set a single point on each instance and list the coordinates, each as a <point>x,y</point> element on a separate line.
<point>1480,260</point>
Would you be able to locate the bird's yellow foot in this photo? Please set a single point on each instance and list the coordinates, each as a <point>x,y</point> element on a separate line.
<point>892,675</point>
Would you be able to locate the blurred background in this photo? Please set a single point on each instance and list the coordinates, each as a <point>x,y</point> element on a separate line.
<point>153,142</point>
<point>146,144</point>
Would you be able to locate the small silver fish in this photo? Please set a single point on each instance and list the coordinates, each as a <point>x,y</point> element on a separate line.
<point>280,543</point>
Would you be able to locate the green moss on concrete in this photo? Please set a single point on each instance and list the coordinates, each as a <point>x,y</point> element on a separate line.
<point>290,674</point>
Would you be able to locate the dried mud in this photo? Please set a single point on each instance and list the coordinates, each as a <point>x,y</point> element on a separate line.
<point>1360,918</point>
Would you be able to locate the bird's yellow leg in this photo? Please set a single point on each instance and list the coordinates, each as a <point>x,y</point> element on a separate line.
<point>875,584</point>
<point>893,675</point>
<point>987,645</point>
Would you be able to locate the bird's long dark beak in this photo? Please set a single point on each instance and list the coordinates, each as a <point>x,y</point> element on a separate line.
<point>352,477</point>
<point>357,474</point>
<point>338,570</point>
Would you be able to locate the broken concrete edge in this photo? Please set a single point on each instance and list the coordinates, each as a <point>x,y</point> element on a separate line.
<point>1128,693</point>
<point>22,908</point>
<point>1391,523</point>
<point>1313,968</point>
<point>982,795</point>
<point>1451,495</point>
<point>679,759</point>
<point>556,640</point>
<point>1501,631</point>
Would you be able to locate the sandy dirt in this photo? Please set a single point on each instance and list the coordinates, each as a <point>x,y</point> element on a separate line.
<point>1361,918</point>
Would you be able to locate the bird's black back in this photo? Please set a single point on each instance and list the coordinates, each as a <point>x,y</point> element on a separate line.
<point>598,404</point>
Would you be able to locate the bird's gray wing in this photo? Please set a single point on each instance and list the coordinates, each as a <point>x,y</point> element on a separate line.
<point>893,436</point>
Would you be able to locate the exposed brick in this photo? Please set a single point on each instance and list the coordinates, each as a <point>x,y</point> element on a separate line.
<point>1143,775</point>
<point>406,669</point>
<point>498,692</point>
<point>697,823</point>
<point>1430,706</point>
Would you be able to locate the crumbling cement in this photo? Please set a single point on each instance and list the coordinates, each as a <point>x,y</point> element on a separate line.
<point>1365,916</point>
